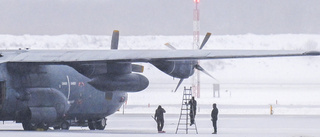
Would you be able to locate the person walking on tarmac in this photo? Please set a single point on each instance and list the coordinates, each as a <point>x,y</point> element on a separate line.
<point>158,116</point>
<point>214,117</point>
<point>193,110</point>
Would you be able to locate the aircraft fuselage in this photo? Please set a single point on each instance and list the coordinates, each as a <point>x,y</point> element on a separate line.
<point>52,94</point>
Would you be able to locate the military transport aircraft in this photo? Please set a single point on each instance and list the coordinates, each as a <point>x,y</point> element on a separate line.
<point>63,88</point>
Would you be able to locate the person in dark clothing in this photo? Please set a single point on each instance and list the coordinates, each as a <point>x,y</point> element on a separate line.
<point>214,117</point>
<point>158,116</point>
<point>193,110</point>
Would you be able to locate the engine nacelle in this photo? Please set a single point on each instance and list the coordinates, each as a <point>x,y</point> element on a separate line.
<point>42,114</point>
<point>44,105</point>
<point>178,69</point>
<point>94,70</point>
<point>115,82</point>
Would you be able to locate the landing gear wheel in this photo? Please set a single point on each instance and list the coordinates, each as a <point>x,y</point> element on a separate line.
<point>97,124</point>
<point>27,125</point>
<point>101,124</point>
<point>65,125</point>
<point>91,125</point>
<point>43,126</point>
<point>56,128</point>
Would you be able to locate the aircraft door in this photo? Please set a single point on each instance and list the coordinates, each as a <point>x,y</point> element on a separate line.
<point>68,87</point>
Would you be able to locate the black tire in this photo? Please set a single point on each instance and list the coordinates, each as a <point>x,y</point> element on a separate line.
<point>65,125</point>
<point>43,126</point>
<point>91,125</point>
<point>101,124</point>
<point>56,128</point>
<point>27,125</point>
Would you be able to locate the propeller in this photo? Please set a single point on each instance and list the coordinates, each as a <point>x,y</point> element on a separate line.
<point>196,65</point>
<point>170,46</point>
<point>180,81</point>
<point>206,38</point>
<point>115,39</point>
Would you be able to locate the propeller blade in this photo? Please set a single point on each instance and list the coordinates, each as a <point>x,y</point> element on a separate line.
<point>170,46</point>
<point>206,38</point>
<point>198,67</point>
<point>115,39</point>
<point>180,81</point>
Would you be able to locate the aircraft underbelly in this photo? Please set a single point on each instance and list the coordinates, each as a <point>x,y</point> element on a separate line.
<point>97,106</point>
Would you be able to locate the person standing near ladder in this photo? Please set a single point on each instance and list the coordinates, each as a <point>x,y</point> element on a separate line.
<point>214,117</point>
<point>193,110</point>
<point>158,116</point>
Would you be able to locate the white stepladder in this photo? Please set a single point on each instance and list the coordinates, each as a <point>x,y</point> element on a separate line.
<point>183,123</point>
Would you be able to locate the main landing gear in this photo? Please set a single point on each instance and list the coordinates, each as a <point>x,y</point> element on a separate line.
<point>99,124</point>
<point>96,124</point>
<point>30,126</point>
<point>93,124</point>
<point>64,125</point>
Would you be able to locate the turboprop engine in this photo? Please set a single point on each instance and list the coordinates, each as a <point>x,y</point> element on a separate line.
<point>178,69</point>
<point>183,68</point>
<point>120,82</point>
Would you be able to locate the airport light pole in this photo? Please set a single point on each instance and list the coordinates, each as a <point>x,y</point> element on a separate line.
<point>196,45</point>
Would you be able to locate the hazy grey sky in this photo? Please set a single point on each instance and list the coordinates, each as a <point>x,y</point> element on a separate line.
<point>158,17</point>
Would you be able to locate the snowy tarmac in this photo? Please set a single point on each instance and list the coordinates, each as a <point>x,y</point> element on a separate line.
<point>245,113</point>
<point>141,125</point>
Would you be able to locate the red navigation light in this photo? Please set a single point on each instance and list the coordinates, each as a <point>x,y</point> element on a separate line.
<point>197,1</point>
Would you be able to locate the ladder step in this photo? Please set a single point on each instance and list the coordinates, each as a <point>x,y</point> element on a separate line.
<point>186,129</point>
<point>183,124</point>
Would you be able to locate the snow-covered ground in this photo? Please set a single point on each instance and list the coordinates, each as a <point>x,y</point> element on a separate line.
<point>234,99</point>
<point>248,87</point>
<point>141,125</point>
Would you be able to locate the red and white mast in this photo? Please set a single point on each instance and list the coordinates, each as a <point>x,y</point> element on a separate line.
<point>196,45</point>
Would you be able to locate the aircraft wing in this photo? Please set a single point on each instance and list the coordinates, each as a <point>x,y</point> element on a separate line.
<point>69,56</point>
